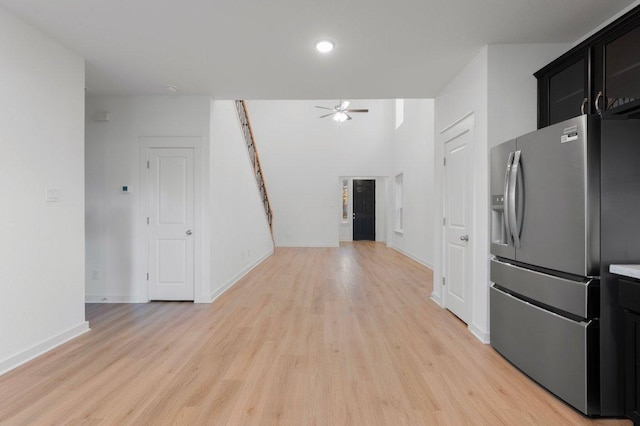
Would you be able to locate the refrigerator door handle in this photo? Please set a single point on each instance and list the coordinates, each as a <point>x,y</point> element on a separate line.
<point>505,206</point>
<point>513,221</point>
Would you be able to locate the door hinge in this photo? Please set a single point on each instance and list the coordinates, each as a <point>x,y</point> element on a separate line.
<point>444,221</point>
<point>444,161</point>
<point>147,164</point>
<point>147,220</point>
<point>147,276</point>
<point>443,281</point>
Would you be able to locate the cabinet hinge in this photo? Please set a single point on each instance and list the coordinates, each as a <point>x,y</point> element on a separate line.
<point>148,164</point>
<point>443,281</point>
<point>444,161</point>
<point>147,220</point>
<point>444,221</point>
<point>147,276</point>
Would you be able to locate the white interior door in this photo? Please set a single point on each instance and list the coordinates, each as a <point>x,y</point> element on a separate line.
<point>457,222</point>
<point>171,224</point>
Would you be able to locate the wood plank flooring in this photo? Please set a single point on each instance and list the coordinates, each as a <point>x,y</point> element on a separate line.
<point>317,336</point>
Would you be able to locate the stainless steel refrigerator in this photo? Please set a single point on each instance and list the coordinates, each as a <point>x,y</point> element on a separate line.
<point>565,203</point>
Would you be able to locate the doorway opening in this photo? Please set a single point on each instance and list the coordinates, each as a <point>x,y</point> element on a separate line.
<point>363,213</point>
<point>364,210</point>
<point>170,194</point>
<point>457,223</point>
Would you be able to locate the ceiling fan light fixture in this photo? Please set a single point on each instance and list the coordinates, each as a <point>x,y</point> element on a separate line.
<point>340,116</point>
<point>324,46</point>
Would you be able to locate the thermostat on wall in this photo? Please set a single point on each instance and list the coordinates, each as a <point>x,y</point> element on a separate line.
<point>125,189</point>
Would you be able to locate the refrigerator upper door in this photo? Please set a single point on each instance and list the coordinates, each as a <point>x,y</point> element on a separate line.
<point>558,195</point>
<point>501,238</point>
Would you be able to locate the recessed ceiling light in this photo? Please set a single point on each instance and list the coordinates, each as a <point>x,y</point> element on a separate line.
<point>324,46</point>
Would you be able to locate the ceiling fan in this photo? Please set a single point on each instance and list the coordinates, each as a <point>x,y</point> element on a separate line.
<point>340,111</point>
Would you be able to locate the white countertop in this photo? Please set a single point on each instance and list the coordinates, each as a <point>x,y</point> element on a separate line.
<point>631,271</point>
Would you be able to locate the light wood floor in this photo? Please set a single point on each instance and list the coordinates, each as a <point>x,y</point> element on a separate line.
<point>341,336</point>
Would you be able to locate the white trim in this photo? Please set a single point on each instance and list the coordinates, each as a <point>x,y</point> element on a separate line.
<point>45,346</point>
<point>104,298</point>
<point>458,121</point>
<point>213,296</point>
<point>437,299</point>
<point>481,335</point>
<point>412,257</point>
<point>309,245</point>
<point>176,141</point>
<point>465,124</point>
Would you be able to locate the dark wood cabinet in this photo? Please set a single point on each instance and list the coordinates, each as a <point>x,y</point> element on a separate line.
<point>632,366</point>
<point>629,299</point>
<point>617,71</point>
<point>564,88</point>
<point>601,75</point>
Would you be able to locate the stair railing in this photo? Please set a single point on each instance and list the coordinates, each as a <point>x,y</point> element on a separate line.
<point>250,141</point>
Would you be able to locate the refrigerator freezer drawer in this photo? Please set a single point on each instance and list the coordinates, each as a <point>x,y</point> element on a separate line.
<point>575,297</point>
<point>555,351</point>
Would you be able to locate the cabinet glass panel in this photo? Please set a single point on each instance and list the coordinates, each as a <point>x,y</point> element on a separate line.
<point>622,69</point>
<point>566,92</point>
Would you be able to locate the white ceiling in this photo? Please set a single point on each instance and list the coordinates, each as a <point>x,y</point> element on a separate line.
<point>259,49</point>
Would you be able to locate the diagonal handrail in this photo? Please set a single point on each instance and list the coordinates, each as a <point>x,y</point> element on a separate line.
<point>250,141</point>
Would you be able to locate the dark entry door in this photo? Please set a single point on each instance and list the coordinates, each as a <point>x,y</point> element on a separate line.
<point>364,209</point>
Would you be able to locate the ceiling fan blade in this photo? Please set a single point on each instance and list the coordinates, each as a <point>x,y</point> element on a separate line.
<point>344,105</point>
<point>327,115</point>
<point>321,107</point>
<point>357,110</point>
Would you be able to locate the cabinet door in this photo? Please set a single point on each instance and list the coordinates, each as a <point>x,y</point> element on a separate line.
<point>632,366</point>
<point>617,70</point>
<point>567,92</point>
<point>563,90</point>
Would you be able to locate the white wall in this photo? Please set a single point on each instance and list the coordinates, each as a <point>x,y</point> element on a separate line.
<point>467,93</point>
<point>303,157</point>
<point>498,87</point>
<point>41,244</point>
<point>413,150</point>
<point>240,235</point>
<point>116,260</point>
<point>513,89</point>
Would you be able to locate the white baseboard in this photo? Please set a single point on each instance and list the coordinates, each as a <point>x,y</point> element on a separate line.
<point>410,256</point>
<point>437,299</point>
<point>313,245</point>
<point>213,296</point>
<point>39,349</point>
<point>481,335</point>
<point>103,298</point>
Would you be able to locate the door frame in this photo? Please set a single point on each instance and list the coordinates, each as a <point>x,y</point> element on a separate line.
<point>382,213</point>
<point>375,207</point>
<point>150,142</point>
<point>466,124</point>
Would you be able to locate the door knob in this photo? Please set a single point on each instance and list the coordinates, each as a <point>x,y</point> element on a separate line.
<point>464,238</point>
<point>189,232</point>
